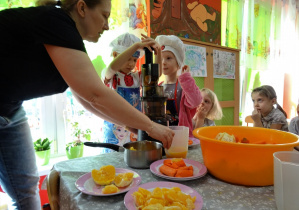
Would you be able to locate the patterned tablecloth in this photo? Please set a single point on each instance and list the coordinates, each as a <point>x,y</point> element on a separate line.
<point>216,194</point>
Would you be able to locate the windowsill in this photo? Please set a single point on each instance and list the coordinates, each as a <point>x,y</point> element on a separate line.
<point>44,170</point>
<point>88,151</point>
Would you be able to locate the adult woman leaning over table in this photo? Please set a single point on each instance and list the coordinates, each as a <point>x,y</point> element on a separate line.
<point>42,53</point>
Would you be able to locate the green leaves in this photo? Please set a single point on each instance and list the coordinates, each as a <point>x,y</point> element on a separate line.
<point>73,144</point>
<point>42,145</point>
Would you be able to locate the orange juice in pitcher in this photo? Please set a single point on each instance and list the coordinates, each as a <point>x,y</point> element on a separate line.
<point>179,145</point>
<point>176,152</point>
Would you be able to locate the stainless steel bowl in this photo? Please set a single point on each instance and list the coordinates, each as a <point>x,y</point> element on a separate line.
<point>138,154</point>
<point>141,154</point>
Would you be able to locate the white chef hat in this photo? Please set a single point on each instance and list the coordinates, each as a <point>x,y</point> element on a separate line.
<point>123,42</point>
<point>173,44</point>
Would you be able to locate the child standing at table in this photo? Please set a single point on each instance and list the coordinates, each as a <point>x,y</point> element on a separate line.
<point>124,78</point>
<point>208,111</point>
<point>265,114</point>
<point>182,92</point>
<point>294,124</point>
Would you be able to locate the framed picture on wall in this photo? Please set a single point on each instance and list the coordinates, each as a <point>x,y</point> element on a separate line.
<point>195,58</point>
<point>193,19</point>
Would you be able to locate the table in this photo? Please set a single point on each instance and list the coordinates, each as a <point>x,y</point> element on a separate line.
<point>216,194</point>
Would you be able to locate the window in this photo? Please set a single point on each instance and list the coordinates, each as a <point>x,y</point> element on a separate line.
<point>52,116</point>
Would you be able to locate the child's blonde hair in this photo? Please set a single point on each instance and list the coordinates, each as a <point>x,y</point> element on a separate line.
<point>269,92</point>
<point>215,112</point>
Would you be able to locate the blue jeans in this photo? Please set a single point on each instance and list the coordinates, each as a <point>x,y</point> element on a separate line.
<point>18,171</point>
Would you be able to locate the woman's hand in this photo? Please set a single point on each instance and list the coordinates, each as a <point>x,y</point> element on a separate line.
<point>161,133</point>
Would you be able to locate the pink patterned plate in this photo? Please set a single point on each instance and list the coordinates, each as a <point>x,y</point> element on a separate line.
<point>199,170</point>
<point>86,184</point>
<point>129,200</point>
<point>195,141</point>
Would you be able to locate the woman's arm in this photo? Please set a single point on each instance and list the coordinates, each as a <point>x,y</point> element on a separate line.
<point>78,72</point>
<point>88,107</point>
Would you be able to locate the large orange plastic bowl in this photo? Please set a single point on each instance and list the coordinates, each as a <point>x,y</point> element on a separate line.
<point>239,163</point>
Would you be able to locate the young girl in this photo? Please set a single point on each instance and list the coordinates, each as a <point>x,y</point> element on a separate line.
<point>182,92</point>
<point>294,124</point>
<point>264,113</point>
<point>122,76</point>
<point>208,111</point>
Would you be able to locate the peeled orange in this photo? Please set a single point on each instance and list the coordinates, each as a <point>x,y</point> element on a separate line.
<point>109,189</point>
<point>104,176</point>
<point>123,179</point>
<point>176,159</point>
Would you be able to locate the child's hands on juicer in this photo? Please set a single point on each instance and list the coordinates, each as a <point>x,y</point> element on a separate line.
<point>150,43</point>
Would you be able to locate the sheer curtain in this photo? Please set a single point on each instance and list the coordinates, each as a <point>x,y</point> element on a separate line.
<point>267,33</point>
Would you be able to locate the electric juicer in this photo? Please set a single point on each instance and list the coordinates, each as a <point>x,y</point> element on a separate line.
<point>153,102</point>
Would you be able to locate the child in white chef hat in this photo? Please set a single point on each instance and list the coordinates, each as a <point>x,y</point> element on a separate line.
<point>183,94</point>
<point>122,76</point>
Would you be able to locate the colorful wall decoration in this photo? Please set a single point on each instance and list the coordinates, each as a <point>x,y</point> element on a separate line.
<point>196,60</point>
<point>194,19</point>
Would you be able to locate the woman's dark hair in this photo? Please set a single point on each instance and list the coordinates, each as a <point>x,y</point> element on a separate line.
<point>269,92</point>
<point>67,5</point>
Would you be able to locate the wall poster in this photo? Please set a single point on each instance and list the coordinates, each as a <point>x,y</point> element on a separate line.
<point>224,64</point>
<point>196,60</point>
<point>193,19</point>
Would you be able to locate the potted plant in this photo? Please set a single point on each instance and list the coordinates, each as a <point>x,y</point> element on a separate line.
<point>42,151</point>
<point>75,148</point>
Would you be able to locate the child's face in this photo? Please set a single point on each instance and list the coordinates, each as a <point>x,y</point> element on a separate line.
<point>206,102</point>
<point>129,65</point>
<point>169,63</point>
<point>120,132</point>
<point>262,104</point>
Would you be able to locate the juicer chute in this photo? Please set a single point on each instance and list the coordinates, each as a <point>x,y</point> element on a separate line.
<point>153,102</point>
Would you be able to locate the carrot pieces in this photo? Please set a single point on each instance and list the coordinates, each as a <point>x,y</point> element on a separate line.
<point>184,172</point>
<point>176,168</point>
<point>190,142</point>
<point>180,163</point>
<point>164,169</point>
<point>186,168</point>
<point>170,164</point>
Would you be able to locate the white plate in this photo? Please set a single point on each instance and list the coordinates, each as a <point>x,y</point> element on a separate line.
<point>129,200</point>
<point>86,184</point>
<point>199,170</point>
<point>195,142</point>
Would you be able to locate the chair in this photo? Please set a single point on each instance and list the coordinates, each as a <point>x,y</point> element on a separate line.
<point>248,119</point>
<point>53,181</point>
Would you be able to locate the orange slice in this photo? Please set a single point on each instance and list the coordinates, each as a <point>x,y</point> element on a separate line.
<point>104,176</point>
<point>123,179</point>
